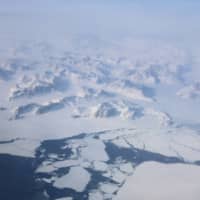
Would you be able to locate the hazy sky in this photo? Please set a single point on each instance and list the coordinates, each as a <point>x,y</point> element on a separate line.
<point>175,20</point>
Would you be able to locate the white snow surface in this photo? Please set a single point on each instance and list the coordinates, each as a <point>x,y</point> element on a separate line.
<point>155,181</point>
<point>76,179</point>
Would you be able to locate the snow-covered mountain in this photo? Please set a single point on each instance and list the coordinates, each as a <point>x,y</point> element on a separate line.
<point>191,91</point>
<point>83,120</point>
